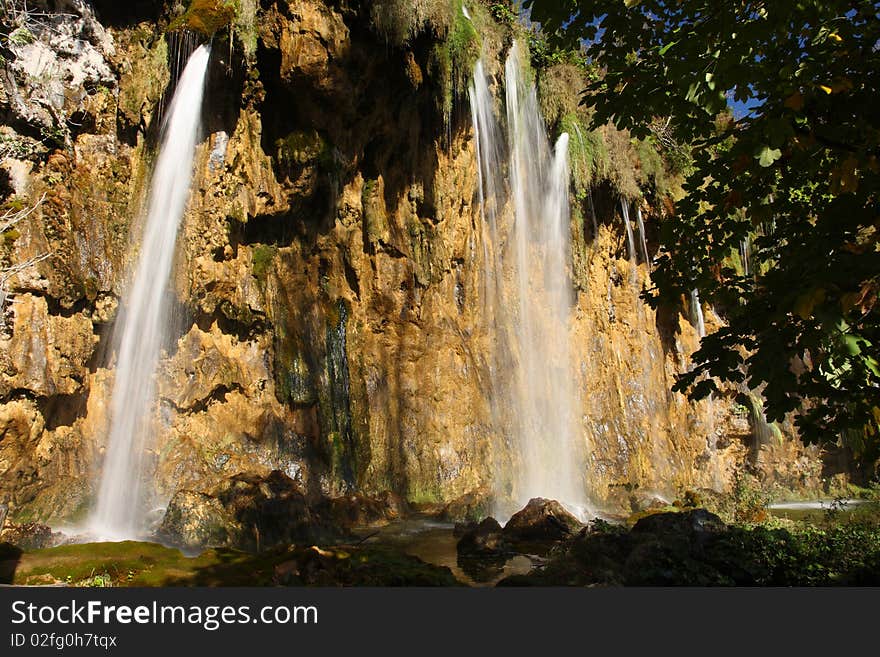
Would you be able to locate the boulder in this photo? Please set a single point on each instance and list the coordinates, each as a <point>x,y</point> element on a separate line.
<point>247,511</point>
<point>197,520</point>
<point>690,523</point>
<point>352,511</point>
<point>541,521</point>
<point>482,550</point>
<point>484,538</point>
<point>30,535</point>
<point>468,507</point>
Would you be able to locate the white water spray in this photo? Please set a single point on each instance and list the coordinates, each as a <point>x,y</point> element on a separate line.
<point>643,241</point>
<point>526,229</point>
<point>120,508</point>
<point>630,240</point>
<point>697,318</point>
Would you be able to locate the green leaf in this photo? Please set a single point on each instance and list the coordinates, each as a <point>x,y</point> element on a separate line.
<point>766,156</point>
<point>665,48</point>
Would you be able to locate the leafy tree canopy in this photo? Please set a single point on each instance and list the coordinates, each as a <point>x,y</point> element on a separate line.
<point>795,177</point>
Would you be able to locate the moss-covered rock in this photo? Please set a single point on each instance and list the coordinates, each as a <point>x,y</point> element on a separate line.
<point>206,16</point>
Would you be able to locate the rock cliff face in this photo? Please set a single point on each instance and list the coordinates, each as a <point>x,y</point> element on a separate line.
<point>329,319</point>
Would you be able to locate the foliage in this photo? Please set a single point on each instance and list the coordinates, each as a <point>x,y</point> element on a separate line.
<point>749,499</point>
<point>632,167</point>
<point>693,548</point>
<point>799,167</point>
<point>454,57</point>
<point>401,21</point>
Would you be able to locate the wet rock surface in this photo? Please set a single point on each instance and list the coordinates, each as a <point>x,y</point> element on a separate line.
<point>541,521</point>
<point>481,539</point>
<point>30,536</point>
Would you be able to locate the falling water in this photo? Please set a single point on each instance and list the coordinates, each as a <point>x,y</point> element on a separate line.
<point>643,241</point>
<point>697,318</point>
<point>119,512</point>
<point>745,255</point>
<point>630,240</point>
<point>527,229</point>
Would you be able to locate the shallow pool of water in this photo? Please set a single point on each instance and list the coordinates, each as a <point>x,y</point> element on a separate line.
<point>435,543</point>
<point>812,509</point>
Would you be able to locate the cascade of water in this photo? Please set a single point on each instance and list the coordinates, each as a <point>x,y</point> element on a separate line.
<point>630,240</point>
<point>527,225</point>
<point>119,512</point>
<point>181,45</point>
<point>697,318</point>
<point>642,239</point>
<point>489,167</point>
<point>745,255</point>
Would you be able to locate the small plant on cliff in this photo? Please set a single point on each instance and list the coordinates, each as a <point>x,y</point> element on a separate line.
<point>262,261</point>
<point>15,212</point>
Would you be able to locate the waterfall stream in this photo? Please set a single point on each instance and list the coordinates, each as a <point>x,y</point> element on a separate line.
<point>141,327</point>
<point>630,239</point>
<point>523,184</point>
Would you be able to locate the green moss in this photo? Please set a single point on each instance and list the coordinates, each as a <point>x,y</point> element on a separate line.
<point>294,381</point>
<point>452,61</point>
<point>464,46</point>
<point>132,563</point>
<point>206,16</point>
<point>587,154</point>
<point>10,236</point>
<point>335,399</point>
<point>305,148</point>
<point>426,496</point>
<point>261,261</point>
<point>398,22</point>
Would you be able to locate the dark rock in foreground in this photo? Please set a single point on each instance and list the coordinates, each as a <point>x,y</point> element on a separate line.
<point>696,548</point>
<point>247,511</point>
<point>255,512</point>
<point>541,521</point>
<point>484,538</point>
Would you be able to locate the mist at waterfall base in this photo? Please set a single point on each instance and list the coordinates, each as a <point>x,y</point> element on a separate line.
<point>120,510</point>
<point>528,297</point>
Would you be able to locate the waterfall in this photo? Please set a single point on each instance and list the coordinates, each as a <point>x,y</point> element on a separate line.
<point>630,240</point>
<point>745,255</point>
<point>526,232</point>
<point>697,319</point>
<point>141,325</point>
<point>643,240</point>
